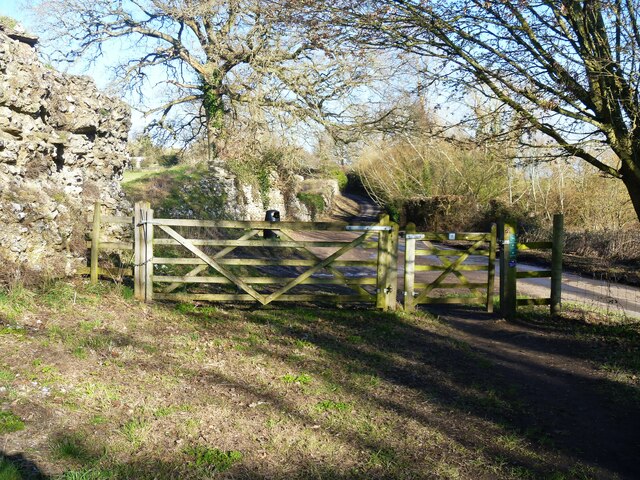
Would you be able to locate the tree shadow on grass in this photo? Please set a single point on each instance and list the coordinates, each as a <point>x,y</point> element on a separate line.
<point>467,388</point>
<point>18,467</point>
<point>566,408</point>
<point>555,363</point>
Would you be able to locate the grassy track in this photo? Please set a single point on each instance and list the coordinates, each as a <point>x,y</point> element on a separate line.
<point>94,385</point>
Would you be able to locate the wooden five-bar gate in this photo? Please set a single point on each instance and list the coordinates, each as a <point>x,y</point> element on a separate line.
<point>327,262</point>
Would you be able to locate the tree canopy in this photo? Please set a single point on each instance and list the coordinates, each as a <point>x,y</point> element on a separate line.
<point>209,62</point>
<point>568,69</point>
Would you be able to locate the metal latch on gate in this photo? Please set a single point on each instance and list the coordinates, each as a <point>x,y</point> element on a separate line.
<point>368,228</point>
<point>414,236</point>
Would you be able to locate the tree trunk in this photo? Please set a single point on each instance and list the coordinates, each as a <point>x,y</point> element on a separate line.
<point>632,183</point>
<point>212,134</point>
<point>214,114</point>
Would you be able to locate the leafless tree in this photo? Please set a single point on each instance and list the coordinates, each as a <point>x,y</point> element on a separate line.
<point>211,62</point>
<point>570,69</point>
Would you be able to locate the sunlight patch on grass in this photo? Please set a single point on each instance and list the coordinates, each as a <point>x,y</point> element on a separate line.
<point>10,423</point>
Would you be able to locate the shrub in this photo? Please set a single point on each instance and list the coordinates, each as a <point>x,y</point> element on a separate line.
<point>341,177</point>
<point>170,159</point>
<point>313,201</point>
<point>8,22</point>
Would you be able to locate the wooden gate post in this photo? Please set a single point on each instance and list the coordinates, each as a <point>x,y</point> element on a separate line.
<point>491,274</point>
<point>95,242</point>
<point>138,249</point>
<point>148,255</point>
<point>383,264</point>
<point>409,267</point>
<point>556,264</point>
<point>508,271</point>
<point>392,270</point>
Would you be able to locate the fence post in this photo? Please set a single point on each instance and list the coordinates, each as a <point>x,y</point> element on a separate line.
<point>493,242</point>
<point>508,271</point>
<point>392,270</point>
<point>95,242</point>
<point>556,264</point>
<point>138,250</point>
<point>383,264</point>
<point>148,255</point>
<point>409,267</point>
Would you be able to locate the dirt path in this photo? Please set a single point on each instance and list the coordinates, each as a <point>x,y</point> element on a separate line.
<point>578,406</point>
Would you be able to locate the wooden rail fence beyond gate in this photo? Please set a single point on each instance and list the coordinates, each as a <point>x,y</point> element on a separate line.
<point>328,262</point>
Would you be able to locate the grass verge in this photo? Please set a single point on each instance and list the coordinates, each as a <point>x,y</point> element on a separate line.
<point>102,387</point>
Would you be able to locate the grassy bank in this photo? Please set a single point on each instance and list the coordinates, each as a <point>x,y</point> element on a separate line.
<point>94,385</point>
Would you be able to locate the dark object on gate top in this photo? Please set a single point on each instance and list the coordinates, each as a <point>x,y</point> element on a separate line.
<point>271,216</point>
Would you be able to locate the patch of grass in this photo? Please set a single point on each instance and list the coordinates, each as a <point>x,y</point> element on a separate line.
<point>302,379</point>
<point>88,326</point>
<point>79,352</point>
<point>382,458</point>
<point>98,420</point>
<point>135,431</point>
<point>16,330</point>
<point>46,375</point>
<point>9,422</point>
<point>330,405</point>
<point>132,176</point>
<point>72,447</point>
<point>170,410</point>
<point>58,295</point>
<point>57,333</point>
<point>94,393</point>
<point>6,377</point>
<point>366,395</point>
<point>88,474</point>
<point>9,471</point>
<point>212,458</point>
<point>313,201</point>
<point>303,344</point>
<point>127,293</point>
<point>15,301</point>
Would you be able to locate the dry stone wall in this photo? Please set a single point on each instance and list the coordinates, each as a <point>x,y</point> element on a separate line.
<point>63,145</point>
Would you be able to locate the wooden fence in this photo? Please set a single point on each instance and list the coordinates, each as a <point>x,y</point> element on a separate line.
<point>219,253</point>
<point>233,258</point>
<point>97,245</point>
<point>509,273</point>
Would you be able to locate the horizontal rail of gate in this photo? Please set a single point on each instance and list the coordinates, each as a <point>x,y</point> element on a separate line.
<point>450,267</point>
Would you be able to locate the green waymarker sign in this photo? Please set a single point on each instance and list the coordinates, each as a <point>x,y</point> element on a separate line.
<point>513,247</point>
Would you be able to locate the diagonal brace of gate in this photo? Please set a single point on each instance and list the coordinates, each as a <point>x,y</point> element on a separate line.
<point>319,266</point>
<point>203,256</point>
<point>449,269</point>
<point>334,271</point>
<point>222,253</point>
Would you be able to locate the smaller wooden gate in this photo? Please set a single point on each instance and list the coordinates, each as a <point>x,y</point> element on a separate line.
<point>425,253</point>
